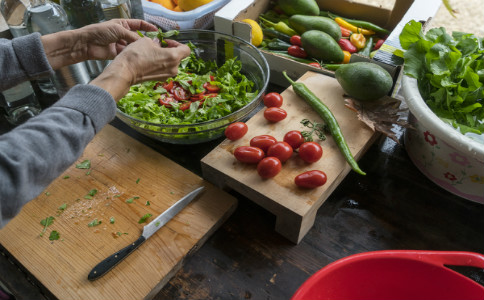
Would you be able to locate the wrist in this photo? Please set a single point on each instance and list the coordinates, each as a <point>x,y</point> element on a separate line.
<point>115,80</point>
<point>63,48</point>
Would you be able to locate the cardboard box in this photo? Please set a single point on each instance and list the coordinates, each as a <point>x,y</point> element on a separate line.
<point>227,20</point>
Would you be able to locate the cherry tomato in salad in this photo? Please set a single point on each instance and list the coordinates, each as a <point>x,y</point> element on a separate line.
<point>269,167</point>
<point>180,93</point>
<point>249,155</point>
<point>297,51</point>
<point>295,40</point>
<point>275,114</point>
<point>263,141</point>
<point>282,150</point>
<point>166,100</point>
<point>272,100</point>
<point>185,106</point>
<point>310,179</point>
<point>168,85</point>
<point>236,131</point>
<point>310,152</point>
<point>211,88</point>
<point>294,138</point>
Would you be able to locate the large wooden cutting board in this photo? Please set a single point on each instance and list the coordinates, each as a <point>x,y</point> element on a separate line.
<point>295,208</point>
<point>121,168</point>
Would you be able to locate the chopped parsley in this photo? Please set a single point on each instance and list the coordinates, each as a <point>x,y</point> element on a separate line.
<point>62,207</point>
<point>144,218</point>
<point>111,220</point>
<point>86,164</point>
<point>148,203</point>
<point>94,222</point>
<point>131,200</point>
<point>137,181</point>
<point>46,223</point>
<point>54,235</point>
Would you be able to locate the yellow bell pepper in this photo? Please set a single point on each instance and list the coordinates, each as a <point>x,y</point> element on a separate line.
<point>353,28</point>
<point>358,40</point>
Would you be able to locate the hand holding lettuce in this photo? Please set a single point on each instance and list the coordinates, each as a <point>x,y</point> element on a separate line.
<point>450,73</point>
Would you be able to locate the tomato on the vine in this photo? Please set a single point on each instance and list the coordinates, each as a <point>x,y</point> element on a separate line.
<point>275,114</point>
<point>263,141</point>
<point>236,130</point>
<point>269,167</point>
<point>310,152</point>
<point>247,154</point>
<point>273,100</point>
<point>294,138</point>
<point>282,150</point>
<point>311,179</point>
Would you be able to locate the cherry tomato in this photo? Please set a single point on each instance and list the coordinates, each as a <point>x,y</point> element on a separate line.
<point>273,100</point>
<point>180,93</point>
<point>295,40</point>
<point>236,130</point>
<point>315,64</point>
<point>281,150</point>
<point>211,88</point>
<point>294,138</point>
<point>247,154</point>
<point>297,51</point>
<point>168,85</point>
<point>185,106</point>
<point>310,179</point>
<point>310,152</point>
<point>269,167</point>
<point>275,114</point>
<point>263,142</point>
<point>166,100</point>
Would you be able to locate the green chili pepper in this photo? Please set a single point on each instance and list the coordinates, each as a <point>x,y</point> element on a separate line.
<point>331,67</point>
<point>368,47</point>
<point>275,17</point>
<point>277,44</point>
<point>302,91</point>
<point>279,26</point>
<point>272,33</point>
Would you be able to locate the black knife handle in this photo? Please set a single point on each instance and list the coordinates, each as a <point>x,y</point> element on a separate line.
<point>110,262</point>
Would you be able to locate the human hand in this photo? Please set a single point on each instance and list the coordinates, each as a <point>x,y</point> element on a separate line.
<point>97,41</point>
<point>140,61</point>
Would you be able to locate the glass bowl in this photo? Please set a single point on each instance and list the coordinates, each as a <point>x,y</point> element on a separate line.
<point>216,46</point>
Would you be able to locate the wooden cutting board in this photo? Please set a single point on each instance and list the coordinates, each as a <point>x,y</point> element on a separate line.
<point>295,208</point>
<point>121,169</point>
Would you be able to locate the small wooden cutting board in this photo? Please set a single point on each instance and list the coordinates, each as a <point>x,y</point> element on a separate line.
<point>131,180</point>
<point>294,207</point>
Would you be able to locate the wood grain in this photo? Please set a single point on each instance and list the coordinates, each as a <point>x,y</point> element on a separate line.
<point>294,207</point>
<point>121,168</point>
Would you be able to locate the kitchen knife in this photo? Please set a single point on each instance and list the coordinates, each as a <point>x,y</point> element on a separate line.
<point>110,262</point>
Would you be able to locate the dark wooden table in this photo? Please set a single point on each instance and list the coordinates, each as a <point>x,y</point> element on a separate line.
<point>393,207</point>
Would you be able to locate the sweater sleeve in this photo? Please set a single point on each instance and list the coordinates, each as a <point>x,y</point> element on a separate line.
<point>33,154</point>
<point>23,58</point>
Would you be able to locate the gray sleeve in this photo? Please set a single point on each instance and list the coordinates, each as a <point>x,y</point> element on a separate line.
<point>23,58</point>
<point>33,154</point>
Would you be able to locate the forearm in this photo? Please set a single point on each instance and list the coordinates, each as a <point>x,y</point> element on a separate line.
<point>35,153</point>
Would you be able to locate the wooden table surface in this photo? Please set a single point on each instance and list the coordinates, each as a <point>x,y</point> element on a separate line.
<point>393,207</point>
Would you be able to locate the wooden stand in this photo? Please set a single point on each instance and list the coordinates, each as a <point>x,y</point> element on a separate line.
<point>295,208</point>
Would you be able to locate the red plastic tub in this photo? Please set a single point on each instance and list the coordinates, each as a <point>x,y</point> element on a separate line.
<point>395,275</point>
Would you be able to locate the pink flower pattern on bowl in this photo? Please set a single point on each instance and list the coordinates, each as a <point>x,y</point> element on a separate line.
<point>444,165</point>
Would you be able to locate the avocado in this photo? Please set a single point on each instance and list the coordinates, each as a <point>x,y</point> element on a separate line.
<point>364,81</point>
<point>299,7</point>
<point>302,23</point>
<point>321,46</point>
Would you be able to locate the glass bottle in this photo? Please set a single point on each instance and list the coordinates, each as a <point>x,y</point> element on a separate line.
<point>116,9</point>
<point>47,17</point>
<point>81,13</point>
<point>20,103</point>
<point>13,12</point>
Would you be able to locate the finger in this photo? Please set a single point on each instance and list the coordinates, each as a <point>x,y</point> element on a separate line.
<point>136,24</point>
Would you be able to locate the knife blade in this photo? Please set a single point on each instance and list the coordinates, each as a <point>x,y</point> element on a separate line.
<point>111,261</point>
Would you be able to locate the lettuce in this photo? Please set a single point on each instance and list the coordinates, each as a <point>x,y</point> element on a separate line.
<point>450,73</point>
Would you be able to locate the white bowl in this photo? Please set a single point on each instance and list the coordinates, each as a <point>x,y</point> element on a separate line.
<point>450,159</point>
